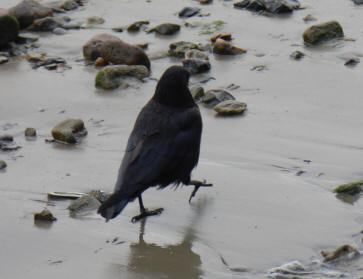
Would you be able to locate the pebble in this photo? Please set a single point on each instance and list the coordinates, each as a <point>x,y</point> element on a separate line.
<point>352,61</point>
<point>188,12</point>
<point>2,164</point>
<point>30,132</point>
<point>166,29</point>
<point>297,55</point>
<point>44,215</point>
<point>3,59</point>
<point>230,107</point>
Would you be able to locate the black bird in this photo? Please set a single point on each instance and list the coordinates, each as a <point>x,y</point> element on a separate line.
<point>163,147</point>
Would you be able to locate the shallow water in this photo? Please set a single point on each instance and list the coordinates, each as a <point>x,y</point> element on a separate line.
<point>259,214</point>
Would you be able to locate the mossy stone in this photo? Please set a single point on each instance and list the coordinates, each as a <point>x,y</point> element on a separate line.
<point>68,130</point>
<point>9,27</point>
<point>110,76</point>
<point>350,188</point>
<point>320,33</point>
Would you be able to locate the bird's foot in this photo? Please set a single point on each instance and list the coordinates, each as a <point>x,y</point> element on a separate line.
<point>146,213</point>
<point>197,184</point>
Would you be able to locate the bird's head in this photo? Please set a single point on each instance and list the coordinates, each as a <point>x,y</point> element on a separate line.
<point>172,88</point>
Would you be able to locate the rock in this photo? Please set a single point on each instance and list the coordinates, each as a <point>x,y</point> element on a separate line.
<point>205,1</point>
<point>6,138</point>
<point>35,56</point>
<point>69,5</point>
<point>166,29</point>
<point>44,215</point>
<point>213,97</point>
<point>30,132</point>
<point>270,6</point>
<point>178,49</point>
<point>95,20</point>
<point>29,10</point>
<point>5,147</point>
<point>188,12</point>
<point>3,164</point>
<point>7,144</point>
<point>223,36</point>
<point>323,32</point>
<point>46,24</point>
<point>59,31</point>
<point>114,51</point>
<point>100,62</point>
<point>69,130</point>
<point>9,28</point>
<point>196,61</point>
<point>143,45</point>
<point>197,93</point>
<point>350,188</point>
<point>309,17</point>
<point>358,2</point>
<point>118,29</point>
<point>100,195</point>
<point>258,68</point>
<point>110,76</point>
<point>352,61</point>
<point>230,107</point>
<point>71,25</point>
<point>223,47</point>
<point>297,55</point>
<point>134,27</point>
<point>196,54</point>
<point>196,66</point>
<point>50,63</point>
<point>3,59</point>
<point>84,204</point>
<point>342,252</point>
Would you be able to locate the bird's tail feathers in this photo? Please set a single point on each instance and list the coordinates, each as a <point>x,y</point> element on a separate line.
<point>112,206</point>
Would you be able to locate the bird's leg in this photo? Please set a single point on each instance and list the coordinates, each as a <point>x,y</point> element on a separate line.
<point>197,184</point>
<point>144,212</point>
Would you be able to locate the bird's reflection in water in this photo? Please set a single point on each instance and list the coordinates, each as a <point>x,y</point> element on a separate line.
<point>171,261</point>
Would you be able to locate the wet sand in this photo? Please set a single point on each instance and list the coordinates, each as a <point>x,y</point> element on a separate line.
<point>258,215</point>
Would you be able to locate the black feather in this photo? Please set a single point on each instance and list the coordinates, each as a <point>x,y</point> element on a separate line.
<point>163,147</point>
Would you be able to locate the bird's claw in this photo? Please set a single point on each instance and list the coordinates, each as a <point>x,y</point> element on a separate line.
<point>146,213</point>
<point>197,184</point>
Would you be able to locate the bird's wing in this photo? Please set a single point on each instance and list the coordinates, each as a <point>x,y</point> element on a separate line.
<point>151,153</point>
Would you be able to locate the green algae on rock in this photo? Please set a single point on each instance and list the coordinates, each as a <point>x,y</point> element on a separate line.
<point>352,188</point>
<point>69,130</point>
<point>110,76</point>
<point>323,32</point>
<point>210,28</point>
<point>230,107</point>
<point>178,49</point>
<point>9,27</point>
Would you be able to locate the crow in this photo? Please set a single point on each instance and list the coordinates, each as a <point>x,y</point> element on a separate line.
<point>163,147</point>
